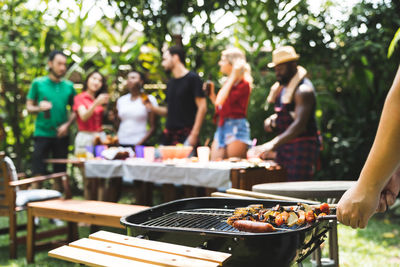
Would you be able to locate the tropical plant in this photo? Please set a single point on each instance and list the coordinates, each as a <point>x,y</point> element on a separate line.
<point>23,36</point>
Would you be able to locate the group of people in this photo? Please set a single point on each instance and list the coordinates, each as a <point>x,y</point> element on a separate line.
<point>296,144</point>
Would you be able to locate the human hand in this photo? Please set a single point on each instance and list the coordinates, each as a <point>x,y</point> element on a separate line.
<point>357,205</point>
<point>192,139</point>
<point>62,131</point>
<point>102,99</point>
<point>259,151</point>
<point>238,69</point>
<point>209,88</point>
<point>45,105</point>
<point>267,148</point>
<point>270,123</point>
<point>389,192</point>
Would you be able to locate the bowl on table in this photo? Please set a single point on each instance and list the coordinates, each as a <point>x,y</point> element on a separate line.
<point>175,152</point>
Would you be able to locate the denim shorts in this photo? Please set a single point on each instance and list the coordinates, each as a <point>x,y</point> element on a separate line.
<point>232,130</point>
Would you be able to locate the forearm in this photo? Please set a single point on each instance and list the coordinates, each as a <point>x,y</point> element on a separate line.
<point>212,98</point>
<point>291,132</point>
<point>71,119</point>
<point>149,133</point>
<point>84,113</point>
<point>160,111</point>
<point>198,121</point>
<point>384,156</point>
<point>32,108</point>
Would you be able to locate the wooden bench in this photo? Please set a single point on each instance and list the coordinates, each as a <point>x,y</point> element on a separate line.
<point>109,249</point>
<point>75,211</point>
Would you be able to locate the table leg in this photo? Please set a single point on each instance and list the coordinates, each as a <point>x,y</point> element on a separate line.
<point>86,188</point>
<point>30,242</point>
<point>101,190</point>
<point>169,192</point>
<point>110,189</point>
<point>90,188</point>
<point>72,232</point>
<point>189,191</point>
<point>148,188</point>
<point>209,190</point>
<point>143,192</point>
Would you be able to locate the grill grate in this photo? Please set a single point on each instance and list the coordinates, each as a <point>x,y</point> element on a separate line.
<point>203,219</point>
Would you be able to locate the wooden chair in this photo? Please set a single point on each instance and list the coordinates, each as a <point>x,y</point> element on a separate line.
<point>14,199</point>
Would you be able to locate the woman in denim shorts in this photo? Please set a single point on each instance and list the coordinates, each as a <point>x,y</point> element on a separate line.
<point>232,137</point>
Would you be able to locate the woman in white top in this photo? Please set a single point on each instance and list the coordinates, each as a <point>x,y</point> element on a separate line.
<point>132,114</point>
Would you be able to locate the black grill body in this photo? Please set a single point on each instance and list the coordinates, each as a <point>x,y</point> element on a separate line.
<point>200,222</point>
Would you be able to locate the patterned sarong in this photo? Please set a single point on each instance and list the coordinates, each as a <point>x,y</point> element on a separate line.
<point>299,157</point>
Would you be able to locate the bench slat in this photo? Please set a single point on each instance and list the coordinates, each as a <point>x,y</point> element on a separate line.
<point>87,211</point>
<point>91,258</point>
<point>139,254</point>
<point>195,253</point>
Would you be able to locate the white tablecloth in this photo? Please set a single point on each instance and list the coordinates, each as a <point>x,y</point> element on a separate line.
<point>211,174</point>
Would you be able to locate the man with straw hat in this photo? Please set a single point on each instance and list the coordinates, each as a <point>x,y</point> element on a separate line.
<point>297,143</point>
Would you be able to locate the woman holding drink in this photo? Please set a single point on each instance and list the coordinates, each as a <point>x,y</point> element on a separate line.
<point>132,115</point>
<point>232,137</point>
<point>89,107</point>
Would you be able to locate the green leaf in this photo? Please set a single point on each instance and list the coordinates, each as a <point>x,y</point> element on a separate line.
<point>393,43</point>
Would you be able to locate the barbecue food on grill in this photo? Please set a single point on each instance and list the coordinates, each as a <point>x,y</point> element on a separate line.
<point>254,227</point>
<point>254,218</point>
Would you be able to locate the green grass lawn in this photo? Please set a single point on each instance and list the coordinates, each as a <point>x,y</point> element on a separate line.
<point>377,245</point>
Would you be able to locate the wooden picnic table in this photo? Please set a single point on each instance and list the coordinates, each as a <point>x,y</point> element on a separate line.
<point>109,249</point>
<point>190,175</point>
<point>242,175</point>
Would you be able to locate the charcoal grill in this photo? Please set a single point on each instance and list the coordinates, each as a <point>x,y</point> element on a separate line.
<point>200,222</point>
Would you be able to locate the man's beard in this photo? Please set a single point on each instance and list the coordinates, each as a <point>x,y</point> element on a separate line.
<point>58,76</point>
<point>284,79</point>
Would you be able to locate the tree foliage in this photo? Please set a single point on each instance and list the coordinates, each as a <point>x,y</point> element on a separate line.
<point>347,59</point>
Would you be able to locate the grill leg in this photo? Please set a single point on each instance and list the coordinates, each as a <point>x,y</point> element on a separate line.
<point>316,256</point>
<point>333,243</point>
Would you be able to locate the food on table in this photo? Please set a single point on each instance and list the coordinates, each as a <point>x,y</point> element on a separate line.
<point>108,140</point>
<point>257,219</point>
<point>175,152</point>
<point>117,153</point>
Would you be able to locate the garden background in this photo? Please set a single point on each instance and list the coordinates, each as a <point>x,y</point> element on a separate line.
<point>346,56</point>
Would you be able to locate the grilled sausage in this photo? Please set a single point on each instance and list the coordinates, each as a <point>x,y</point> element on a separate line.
<point>254,227</point>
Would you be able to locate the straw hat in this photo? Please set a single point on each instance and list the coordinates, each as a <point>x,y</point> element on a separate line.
<point>283,54</point>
